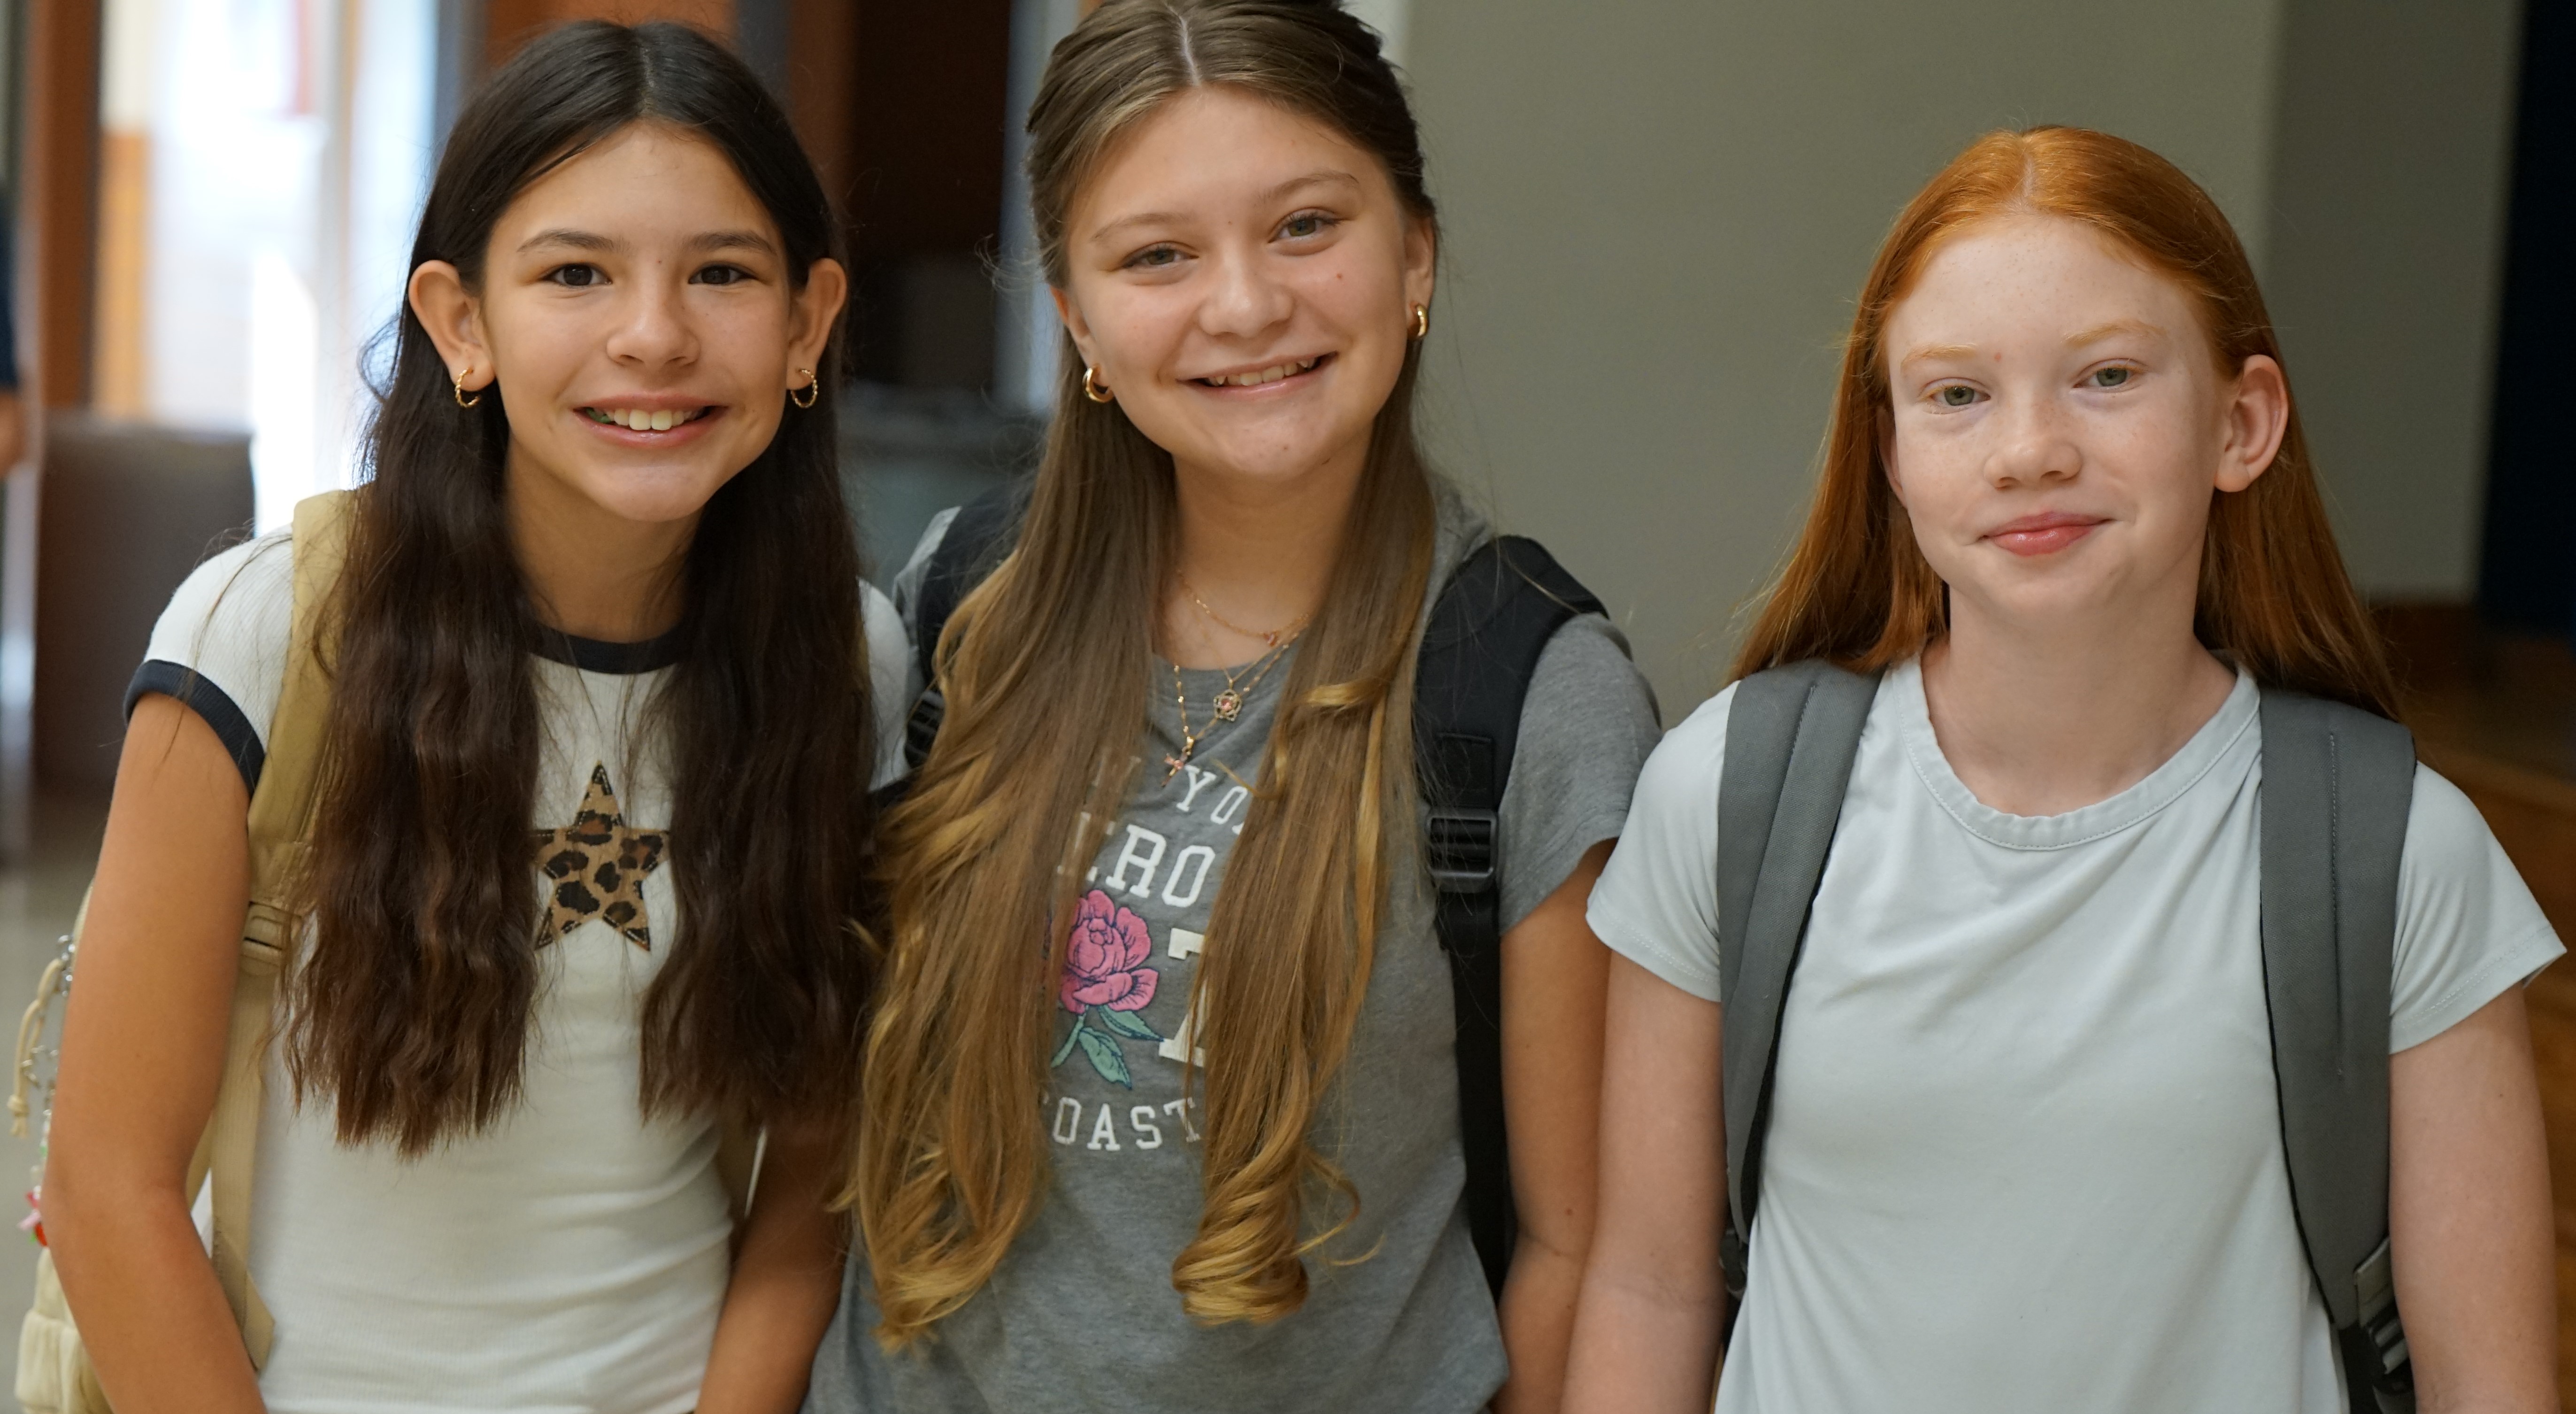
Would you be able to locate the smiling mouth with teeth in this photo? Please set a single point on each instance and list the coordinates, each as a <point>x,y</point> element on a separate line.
<point>1267,375</point>
<point>638,420</point>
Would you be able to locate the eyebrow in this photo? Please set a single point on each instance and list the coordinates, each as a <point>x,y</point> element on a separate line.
<point>578,240</point>
<point>705,241</point>
<point>1326,177</point>
<point>733,240</point>
<point>1937,351</point>
<point>2099,332</point>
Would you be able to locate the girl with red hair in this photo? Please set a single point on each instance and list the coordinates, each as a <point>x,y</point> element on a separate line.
<point>2023,1142</point>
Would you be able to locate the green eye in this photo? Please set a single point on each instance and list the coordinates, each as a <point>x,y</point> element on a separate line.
<point>1956,395</point>
<point>1305,224</point>
<point>2111,377</point>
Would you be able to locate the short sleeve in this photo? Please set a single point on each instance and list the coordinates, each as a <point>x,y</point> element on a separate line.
<point>1587,726</point>
<point>2467,925</point>
<point>221,645</point>
<point>893,681</point>
<point>1656,904</point>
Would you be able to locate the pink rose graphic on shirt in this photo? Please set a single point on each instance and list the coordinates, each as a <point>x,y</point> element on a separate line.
<point>1105,983</point>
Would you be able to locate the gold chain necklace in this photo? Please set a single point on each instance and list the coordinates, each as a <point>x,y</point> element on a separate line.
<point>1227,706</point>
<point>1272,638</point>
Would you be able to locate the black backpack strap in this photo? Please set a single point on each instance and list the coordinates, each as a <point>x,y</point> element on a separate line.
<point>2337,785</point>
<point>1481,647</point>
<point>979,537</point>
<point>1791,734</point>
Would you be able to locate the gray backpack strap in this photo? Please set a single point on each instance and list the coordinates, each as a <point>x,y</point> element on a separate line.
<point>2337,785</point>
<point>1790,738</point>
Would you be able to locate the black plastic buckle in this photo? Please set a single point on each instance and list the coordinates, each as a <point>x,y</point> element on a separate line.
<point>1459,846</point>
<point>2377,1341</point>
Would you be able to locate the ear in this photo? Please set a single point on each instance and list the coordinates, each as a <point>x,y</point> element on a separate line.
<point>1421,261</point>
<point>454,319</point>
<point>2257,417</point>
<point>1075,324</point>
<point>816,314</point>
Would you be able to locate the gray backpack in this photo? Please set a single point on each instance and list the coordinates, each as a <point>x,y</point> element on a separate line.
<point>2337,783</point>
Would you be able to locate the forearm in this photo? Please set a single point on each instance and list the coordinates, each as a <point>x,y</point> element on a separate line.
<point>1537,1312</point>
<point>775,1313</point>
<point>1640,1352</point>
<point>786,1285</point>
<point>145,1298</point>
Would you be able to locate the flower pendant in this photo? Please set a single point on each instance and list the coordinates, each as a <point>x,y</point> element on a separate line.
<point>1229,705</point>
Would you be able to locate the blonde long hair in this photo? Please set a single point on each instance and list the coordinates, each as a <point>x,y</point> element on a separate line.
<point>1046,668</point>
<point>2273,592</point>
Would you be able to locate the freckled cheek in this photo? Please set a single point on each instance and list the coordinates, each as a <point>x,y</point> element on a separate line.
<point>1942,486</point>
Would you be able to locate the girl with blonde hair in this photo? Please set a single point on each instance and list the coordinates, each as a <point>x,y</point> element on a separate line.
<point>1161,1110</point>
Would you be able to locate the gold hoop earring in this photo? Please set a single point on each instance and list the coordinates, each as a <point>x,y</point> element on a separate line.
<point>812,390</point>
<point>1421,322</point>
<point>457,381</point>
<point>1091,385</point>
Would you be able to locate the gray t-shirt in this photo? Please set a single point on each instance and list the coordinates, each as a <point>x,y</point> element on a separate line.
<point>1082,1315</point>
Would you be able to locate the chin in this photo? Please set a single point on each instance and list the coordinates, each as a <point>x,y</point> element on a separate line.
<point>651,498</point>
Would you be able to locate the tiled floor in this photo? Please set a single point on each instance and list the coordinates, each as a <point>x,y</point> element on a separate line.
<point>38,897</point>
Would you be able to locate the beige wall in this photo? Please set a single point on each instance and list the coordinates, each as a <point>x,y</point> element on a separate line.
<point>1658,212</point>
<point>2390,178</point>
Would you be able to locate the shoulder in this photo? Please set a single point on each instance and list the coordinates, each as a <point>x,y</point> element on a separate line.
<point>1691,760</point>
<point>247,591</point>
<point>221,645</point>
<point>1585,670</point>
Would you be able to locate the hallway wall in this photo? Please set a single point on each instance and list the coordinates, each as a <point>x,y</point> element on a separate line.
<point>2390,181</point>
<point>1658,212</point>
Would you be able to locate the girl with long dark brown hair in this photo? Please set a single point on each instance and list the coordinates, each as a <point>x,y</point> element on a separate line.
<point>2031,1138</point>
<point>1161,1111</point>
<point>586,871</point>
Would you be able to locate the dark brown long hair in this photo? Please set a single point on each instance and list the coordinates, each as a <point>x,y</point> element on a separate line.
<point>412,1006</point>
<point>1046,669</point>
<point>2273,592</point>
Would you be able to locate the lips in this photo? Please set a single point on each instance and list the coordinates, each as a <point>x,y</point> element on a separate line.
<point>2043,534</point>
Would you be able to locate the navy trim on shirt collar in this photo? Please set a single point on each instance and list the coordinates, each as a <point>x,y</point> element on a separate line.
<point>592,655</point>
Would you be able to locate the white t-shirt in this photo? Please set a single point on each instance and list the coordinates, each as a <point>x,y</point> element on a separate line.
<point>2024,1149</point>
<point>573,1257</point>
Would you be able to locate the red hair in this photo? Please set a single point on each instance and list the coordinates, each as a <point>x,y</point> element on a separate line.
<point>2273,592</point>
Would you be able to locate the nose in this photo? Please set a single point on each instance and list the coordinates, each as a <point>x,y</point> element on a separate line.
<point>2035,446</point>
<point>1244,300</point>
<point>653,330</point>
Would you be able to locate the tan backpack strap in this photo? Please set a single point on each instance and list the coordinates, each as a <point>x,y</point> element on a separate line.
<point>280,820</point>
<point>31,1029</point>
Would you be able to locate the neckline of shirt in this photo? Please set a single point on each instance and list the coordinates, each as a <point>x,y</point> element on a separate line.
<point>592,655</point>
<point>2213,743</point>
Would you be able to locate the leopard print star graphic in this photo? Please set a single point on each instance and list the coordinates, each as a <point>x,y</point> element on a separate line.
<point>595,867</point>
